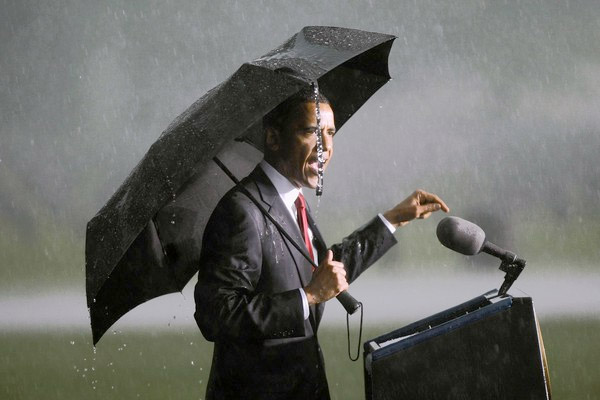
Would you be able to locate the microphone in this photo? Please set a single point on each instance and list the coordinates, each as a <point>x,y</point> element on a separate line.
<point>469,239</point>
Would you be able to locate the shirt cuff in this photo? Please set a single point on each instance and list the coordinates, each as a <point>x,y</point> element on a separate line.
<point>304,303</point>
<point>387,223</point>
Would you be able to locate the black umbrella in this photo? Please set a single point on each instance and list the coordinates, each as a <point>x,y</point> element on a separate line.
<point>145,242</point>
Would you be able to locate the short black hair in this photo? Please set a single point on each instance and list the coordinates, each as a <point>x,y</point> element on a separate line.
<point>280,115</point>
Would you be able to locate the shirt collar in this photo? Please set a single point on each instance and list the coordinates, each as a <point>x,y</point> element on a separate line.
<point>287,192</point>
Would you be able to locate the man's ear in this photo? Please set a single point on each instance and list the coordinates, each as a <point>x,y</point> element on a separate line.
<point>272,139</point>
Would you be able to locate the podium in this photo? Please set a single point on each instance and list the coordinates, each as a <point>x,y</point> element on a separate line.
<point>489,347</point>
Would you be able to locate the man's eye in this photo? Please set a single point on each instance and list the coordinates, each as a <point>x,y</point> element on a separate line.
<point>314,131</point>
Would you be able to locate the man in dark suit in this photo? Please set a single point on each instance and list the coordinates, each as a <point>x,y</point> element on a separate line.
<point>257,297</point>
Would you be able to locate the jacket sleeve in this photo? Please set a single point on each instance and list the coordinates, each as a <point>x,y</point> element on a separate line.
<point>359,250</point>
<point>227,303</point>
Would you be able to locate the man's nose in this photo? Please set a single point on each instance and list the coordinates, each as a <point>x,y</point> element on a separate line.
<point>327,142</point>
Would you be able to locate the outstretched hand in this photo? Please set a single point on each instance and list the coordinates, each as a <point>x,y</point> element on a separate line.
<point>328,280</point>
<point>418,205</point>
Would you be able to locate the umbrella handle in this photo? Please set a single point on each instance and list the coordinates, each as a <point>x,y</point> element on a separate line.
<point>349,303</point>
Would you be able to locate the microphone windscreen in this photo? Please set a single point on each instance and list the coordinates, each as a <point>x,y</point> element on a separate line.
<point>460,235</point>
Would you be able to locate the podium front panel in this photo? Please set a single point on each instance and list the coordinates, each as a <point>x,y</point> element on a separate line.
<point>481,349</point>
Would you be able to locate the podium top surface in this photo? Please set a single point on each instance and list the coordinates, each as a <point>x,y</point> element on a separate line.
<point>440,323</point>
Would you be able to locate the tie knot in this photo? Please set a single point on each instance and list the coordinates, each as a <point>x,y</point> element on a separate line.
<point>300,202</point>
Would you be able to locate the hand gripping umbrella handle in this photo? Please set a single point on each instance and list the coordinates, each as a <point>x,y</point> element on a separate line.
<point>349,303</point>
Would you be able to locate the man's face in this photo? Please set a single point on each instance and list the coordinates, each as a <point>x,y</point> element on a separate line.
<point>297,147</point>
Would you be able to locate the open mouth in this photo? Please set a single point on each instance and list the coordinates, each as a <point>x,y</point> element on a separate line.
<point>313,165</point>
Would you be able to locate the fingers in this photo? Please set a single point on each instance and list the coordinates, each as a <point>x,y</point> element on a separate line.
<point>430,198</point>
<point>338,268</point>
<point>328,280</point>
<point>335,267</point>
<point>329,256</point>
<point>329,260</point>
<point>424,216</point>
<point>425,211</point>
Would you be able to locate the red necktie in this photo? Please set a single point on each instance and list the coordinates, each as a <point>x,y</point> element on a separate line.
<point>303,223</point>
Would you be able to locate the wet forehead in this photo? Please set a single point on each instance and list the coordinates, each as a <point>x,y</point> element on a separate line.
<point>305,116</point>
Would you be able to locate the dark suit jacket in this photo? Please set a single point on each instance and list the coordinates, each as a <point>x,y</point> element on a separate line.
<point>248,302</point>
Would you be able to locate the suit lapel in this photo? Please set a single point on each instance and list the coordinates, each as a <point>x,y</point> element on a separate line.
<point>278,211</point>
<point>321,246</point>
<point>318,240</point>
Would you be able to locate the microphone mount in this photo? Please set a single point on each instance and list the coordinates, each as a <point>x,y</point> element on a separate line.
<point>511,264</point>
<point>513,270</point>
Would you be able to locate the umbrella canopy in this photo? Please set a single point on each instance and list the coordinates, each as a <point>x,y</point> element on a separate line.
<point>145,242</point>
